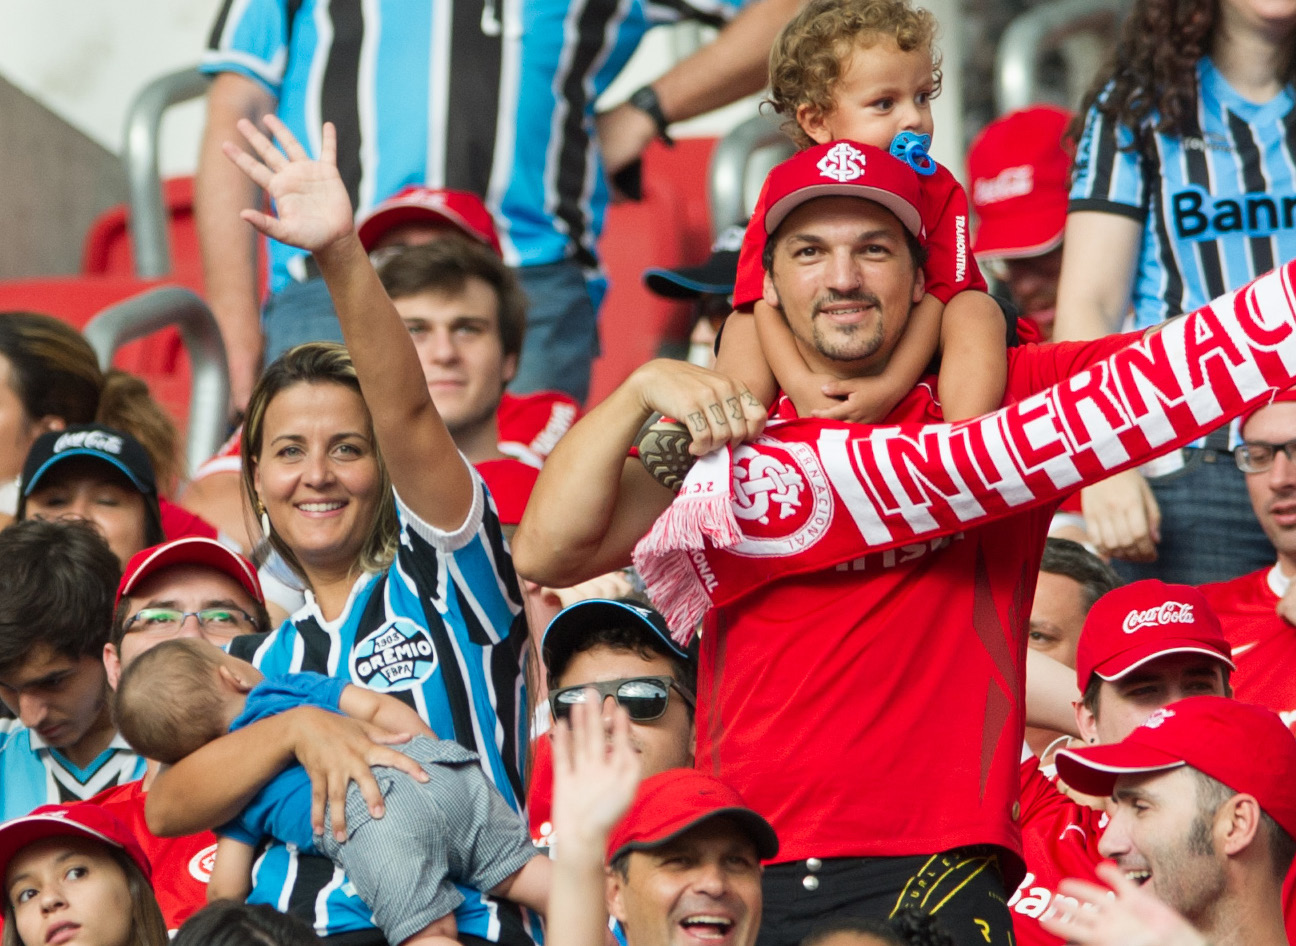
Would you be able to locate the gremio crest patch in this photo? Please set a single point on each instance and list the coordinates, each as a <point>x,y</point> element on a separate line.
<point>397,656</point>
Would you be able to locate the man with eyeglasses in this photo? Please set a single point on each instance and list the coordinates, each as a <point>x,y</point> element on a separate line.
<point>1258,610</point>
<point>623,650</point>
<point>192,587</point>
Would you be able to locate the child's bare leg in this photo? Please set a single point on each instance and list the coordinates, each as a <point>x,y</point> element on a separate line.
<point>529,885</point>
<point>974,366</point>
<point>442,932</point>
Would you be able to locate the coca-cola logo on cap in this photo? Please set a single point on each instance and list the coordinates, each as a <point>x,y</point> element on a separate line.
<point>1172,612</point>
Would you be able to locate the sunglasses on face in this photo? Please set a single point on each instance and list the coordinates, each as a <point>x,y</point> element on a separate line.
<point>644,698</point>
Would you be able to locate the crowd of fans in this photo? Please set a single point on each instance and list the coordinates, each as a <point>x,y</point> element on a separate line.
<point>768,653</point>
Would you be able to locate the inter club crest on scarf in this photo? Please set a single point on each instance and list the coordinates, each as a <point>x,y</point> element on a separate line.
<point>814,494</point>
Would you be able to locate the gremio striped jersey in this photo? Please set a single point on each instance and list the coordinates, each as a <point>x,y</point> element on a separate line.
<point>34,774</point>
<point>495,97</point>
<point>442,629</point>
<point>1218,207</point>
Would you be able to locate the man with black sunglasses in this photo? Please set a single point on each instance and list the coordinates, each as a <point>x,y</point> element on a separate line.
<point>623,650</point>
<point>1258,610</point>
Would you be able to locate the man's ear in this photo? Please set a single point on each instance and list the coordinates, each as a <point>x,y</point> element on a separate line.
<point>1237,824</point>
<point>1086,722</point>
<point>508,369</point>
<point>814,123</point>
<point>920,285</point>
<point>112,665</point>
<point>769,293</point>
<point>614,894</point>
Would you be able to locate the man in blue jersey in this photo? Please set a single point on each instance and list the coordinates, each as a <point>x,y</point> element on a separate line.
<point>56,606</point>
<point>506,112</point>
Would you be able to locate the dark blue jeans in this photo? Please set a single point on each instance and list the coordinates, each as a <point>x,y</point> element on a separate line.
<point>1208,530</point>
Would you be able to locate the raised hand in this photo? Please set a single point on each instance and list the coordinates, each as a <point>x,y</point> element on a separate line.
<point>1125,915</point>
<point>312,209</point>
<point>596,774</point>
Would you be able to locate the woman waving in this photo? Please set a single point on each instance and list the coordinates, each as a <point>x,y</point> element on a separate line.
<point>409,585</point>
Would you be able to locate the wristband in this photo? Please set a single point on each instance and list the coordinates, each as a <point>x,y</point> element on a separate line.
<point>645,99</point>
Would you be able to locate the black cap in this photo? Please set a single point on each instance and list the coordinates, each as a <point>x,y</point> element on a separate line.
<point>120,450</point>
<point>716,276</point>
<point>573,625</point>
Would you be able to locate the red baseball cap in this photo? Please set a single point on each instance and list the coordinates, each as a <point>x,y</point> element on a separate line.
<point>1139,622</point>
<point>76,820</point>
<point>413,204</point>
<point>1246,747</point>
<point>190,550</point>
<point>675,801</point>
<point>844,169</point>
<point>1020,168</point>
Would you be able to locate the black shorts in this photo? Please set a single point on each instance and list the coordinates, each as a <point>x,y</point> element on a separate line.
<point>964,888</point>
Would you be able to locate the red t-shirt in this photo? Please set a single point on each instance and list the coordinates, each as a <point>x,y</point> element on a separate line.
<point>510,483</point>
<point>950,267</point>
<point>181,866</point>
<point>1264,650</point>
<point>178,522</point>
<point>876,709</point>
<point>1264,645</point>
<point>1059,840</point>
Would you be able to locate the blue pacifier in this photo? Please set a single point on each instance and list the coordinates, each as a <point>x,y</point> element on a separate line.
<point>912,148</point>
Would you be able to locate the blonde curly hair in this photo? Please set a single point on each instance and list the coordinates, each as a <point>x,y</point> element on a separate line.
<point>806,60</point>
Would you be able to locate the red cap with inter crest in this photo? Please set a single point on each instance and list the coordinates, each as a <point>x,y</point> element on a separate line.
<point>1139,622</point>
<point>844,169</point>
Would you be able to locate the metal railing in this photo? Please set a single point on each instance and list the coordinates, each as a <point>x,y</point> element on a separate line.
<point>148,213</point>
<point>156,309</point>
<point>739,164</point>
<point>1038,32</point>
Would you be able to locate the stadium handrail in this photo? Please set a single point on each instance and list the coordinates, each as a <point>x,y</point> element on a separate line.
<point>159,308</point>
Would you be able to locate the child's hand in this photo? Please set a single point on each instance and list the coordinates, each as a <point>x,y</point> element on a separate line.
<point>311,202</point>
<point>860,400</point>
<point>596,774</point>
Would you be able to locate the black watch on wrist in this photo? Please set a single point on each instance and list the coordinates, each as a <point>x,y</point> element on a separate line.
<point>645,99</point>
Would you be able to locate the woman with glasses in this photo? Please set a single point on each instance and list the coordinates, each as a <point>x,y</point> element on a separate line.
<point>410,589</point>
<point>1183,191</point>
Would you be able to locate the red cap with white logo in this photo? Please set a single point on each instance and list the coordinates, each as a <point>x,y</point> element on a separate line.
<point>1145,620</point>
<point>1246,747</point>
<point>1020,169</point>
<point>844,169</point>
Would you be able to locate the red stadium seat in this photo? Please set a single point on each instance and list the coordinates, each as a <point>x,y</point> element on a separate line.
<point>159,359</point>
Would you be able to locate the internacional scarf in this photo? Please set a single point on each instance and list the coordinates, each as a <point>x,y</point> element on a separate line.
<point>810,494</point>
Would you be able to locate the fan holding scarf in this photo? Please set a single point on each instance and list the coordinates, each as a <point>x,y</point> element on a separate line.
<point>861,668</point>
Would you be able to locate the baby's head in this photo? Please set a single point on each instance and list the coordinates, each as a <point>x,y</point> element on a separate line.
<point>863,70</point>
<point>178,696</point>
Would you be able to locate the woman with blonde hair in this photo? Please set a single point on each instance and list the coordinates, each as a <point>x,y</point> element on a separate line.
<point>410,589</point>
